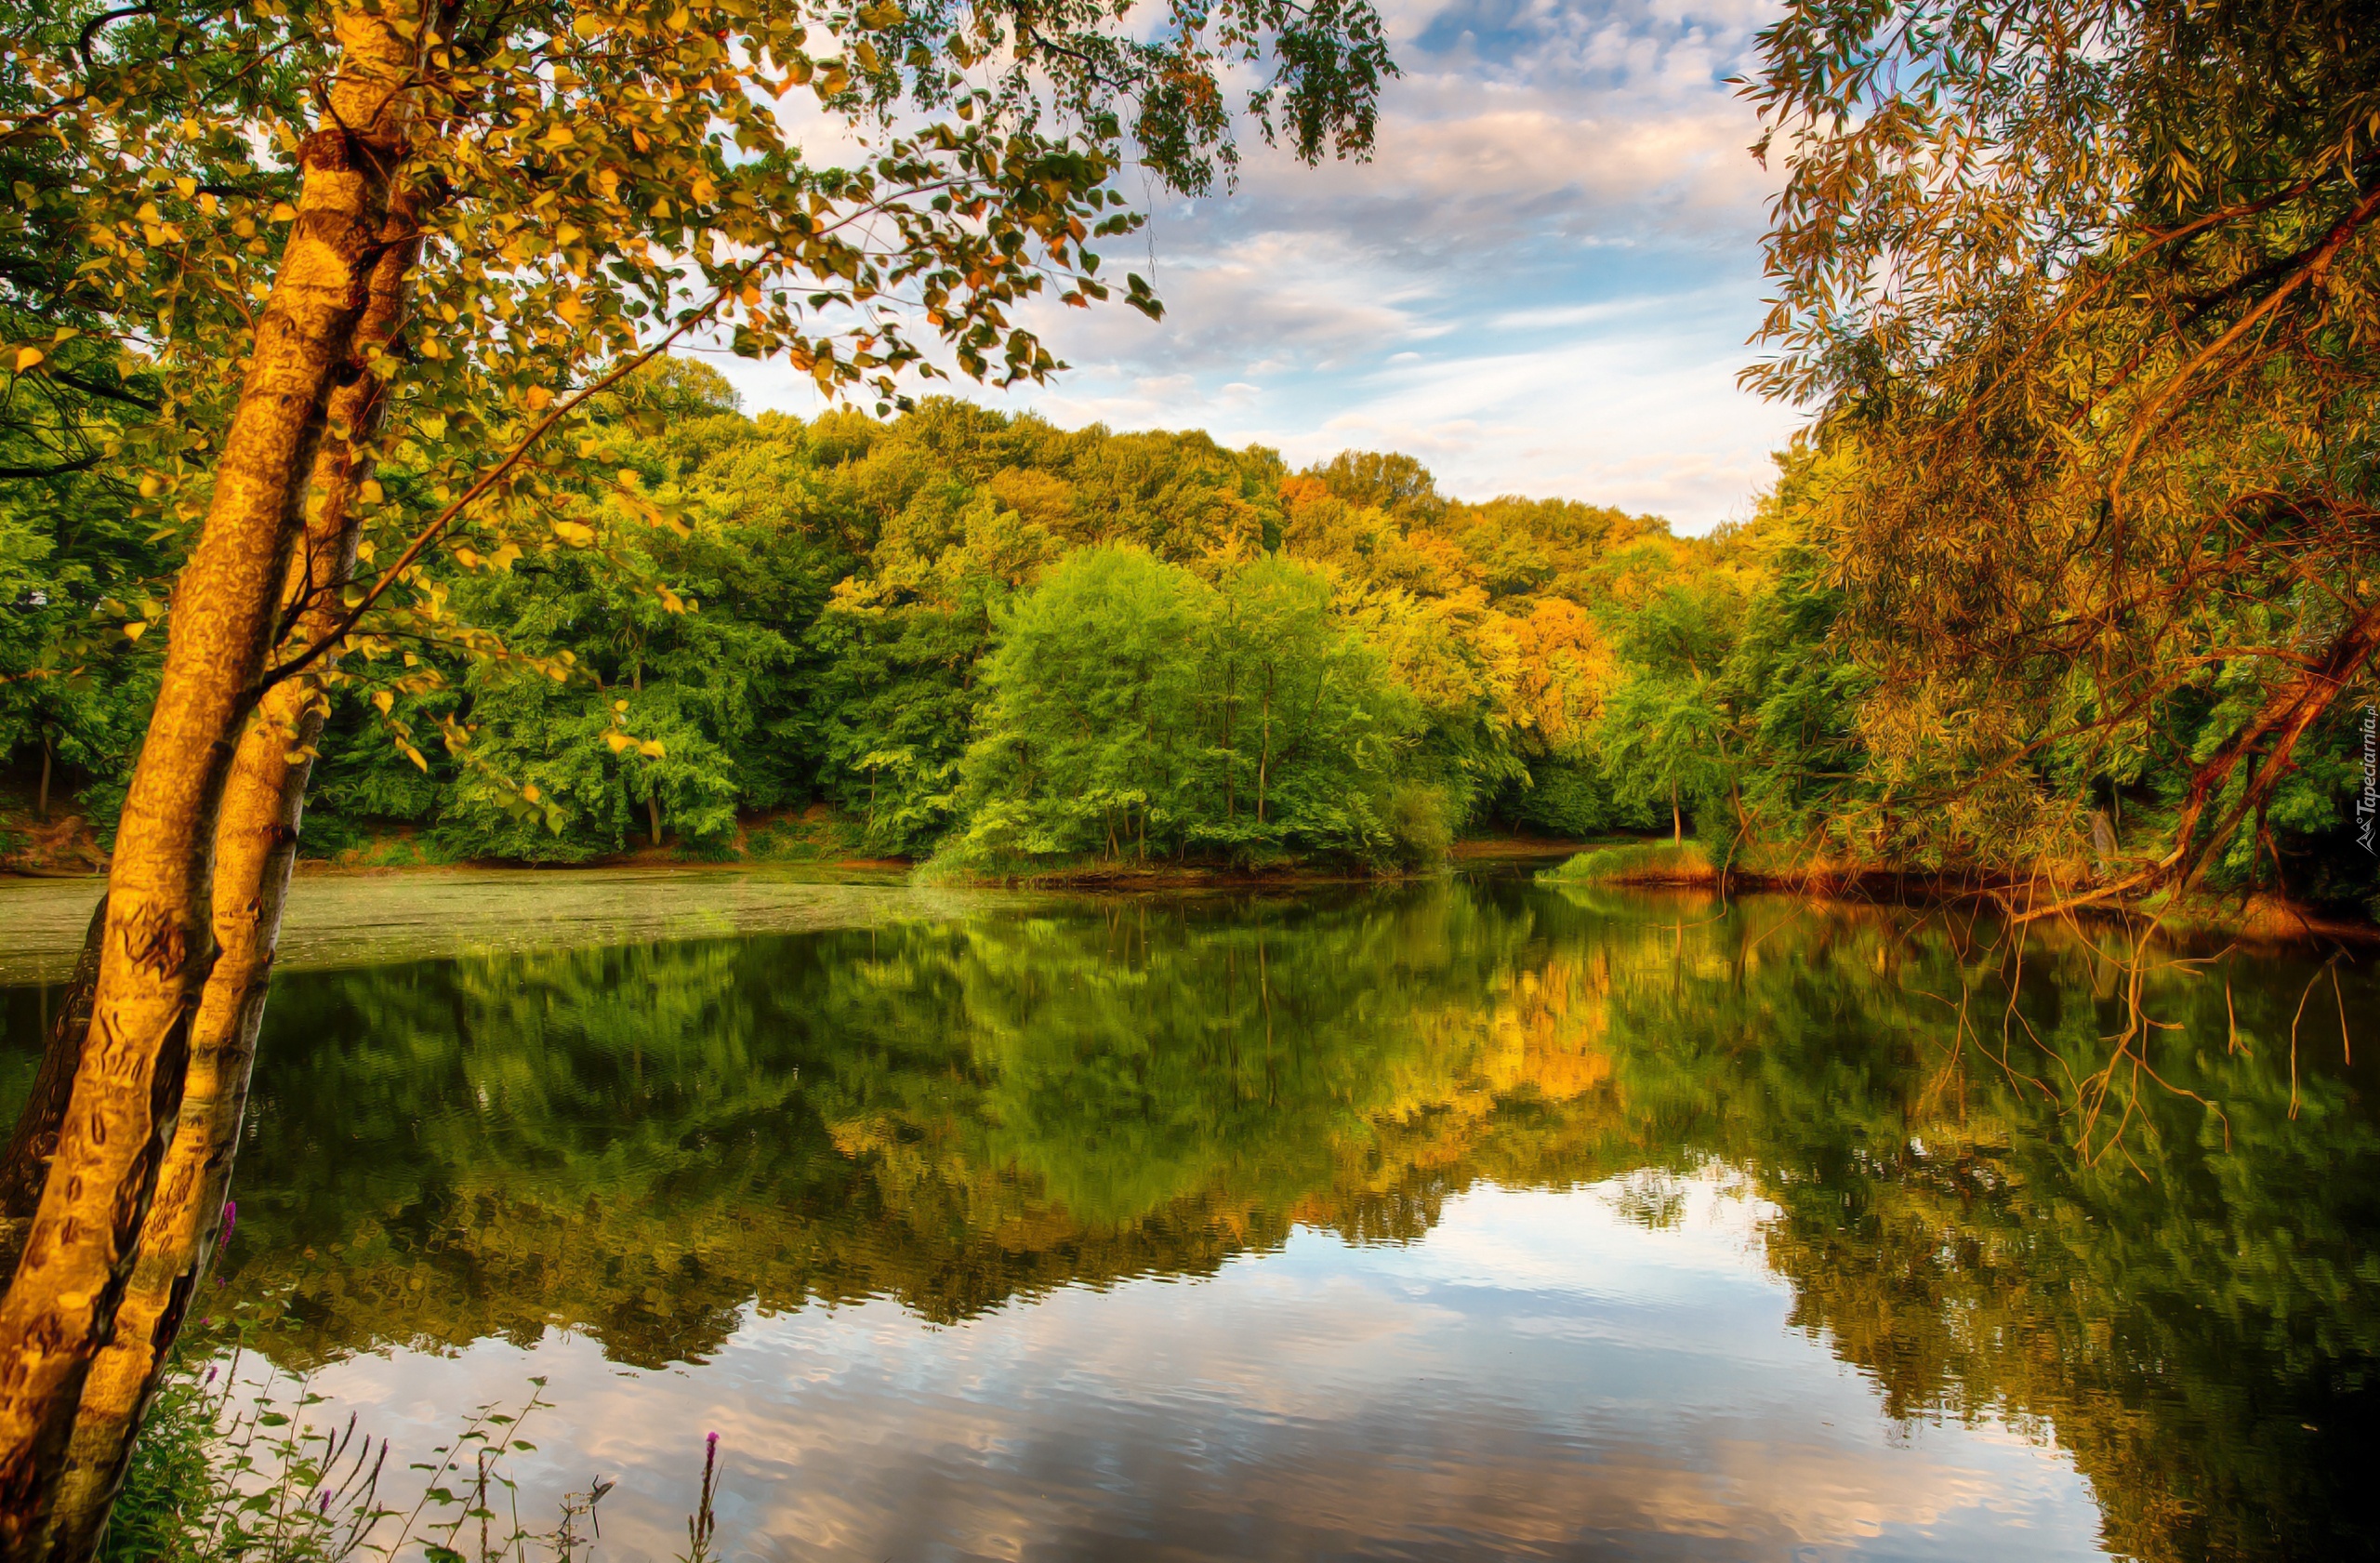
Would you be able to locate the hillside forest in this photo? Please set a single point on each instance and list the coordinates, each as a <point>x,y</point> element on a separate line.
<point>1013,649</point>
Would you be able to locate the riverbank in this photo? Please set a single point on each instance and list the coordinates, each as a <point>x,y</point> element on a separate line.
<point>814,839</point>
<point>1124,875</point>
<point>371,918</point>
<point>1660,865</point>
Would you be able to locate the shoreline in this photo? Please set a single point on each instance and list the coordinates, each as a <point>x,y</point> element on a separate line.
<point>2259,919</point>
<point>2256,918</point>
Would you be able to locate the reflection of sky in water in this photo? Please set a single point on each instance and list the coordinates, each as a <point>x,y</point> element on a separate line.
<point>1542,1376</point>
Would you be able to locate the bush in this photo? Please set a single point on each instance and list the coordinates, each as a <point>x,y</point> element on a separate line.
<point>1420,817</point>
<point>1638,863</point>
<point>171,1485</point>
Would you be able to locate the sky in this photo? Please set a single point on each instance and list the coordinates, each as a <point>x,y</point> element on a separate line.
<point>1542,284</point>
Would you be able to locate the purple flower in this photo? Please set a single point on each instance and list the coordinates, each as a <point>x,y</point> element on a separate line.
<point>209,1378</point>
<point>231,1219</point>
<point>711,1442</point>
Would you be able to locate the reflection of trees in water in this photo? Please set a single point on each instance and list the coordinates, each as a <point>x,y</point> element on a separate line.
<point>639,1143</point>
<point>2195,1316</point>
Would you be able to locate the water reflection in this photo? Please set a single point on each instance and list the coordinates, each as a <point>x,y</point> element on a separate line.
<point>1522,1223</point>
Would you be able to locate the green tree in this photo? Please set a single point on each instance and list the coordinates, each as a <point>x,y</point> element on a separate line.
<point>1133,708</point>
<point>1668,737</point>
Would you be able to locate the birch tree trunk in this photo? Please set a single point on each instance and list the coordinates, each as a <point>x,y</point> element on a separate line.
<point>256,844</point>
<point>156,948</point>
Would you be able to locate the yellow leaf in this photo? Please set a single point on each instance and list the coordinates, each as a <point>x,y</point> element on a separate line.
<point>502,559</point>
<point>651,749</point>
<point>538,398</point>
<point>415,755</point>
<point>529,794</point>
<point>28,357</point>
<point>573,534</point>
<point>369,491</point>
<point>133,631</point>
<point>617,741</point>
<point>282,211</point>
<point>363,552</point>
<point>383,699</point>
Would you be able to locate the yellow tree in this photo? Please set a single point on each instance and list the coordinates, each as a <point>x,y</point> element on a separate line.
<point>2088,296</point>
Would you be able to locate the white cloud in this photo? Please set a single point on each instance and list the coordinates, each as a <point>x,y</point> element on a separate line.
<point>1542,284</point>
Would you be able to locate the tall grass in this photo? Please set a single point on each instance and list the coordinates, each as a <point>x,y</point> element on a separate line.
<point>233,1472</point>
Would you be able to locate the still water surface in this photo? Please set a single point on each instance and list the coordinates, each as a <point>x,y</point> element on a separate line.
<point>1477,1219</point>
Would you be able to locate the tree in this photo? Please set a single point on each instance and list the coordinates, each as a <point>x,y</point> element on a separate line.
<point>1132,708</point>
<point>2084,297</point>
<point>1667,735</point>
<point>566,189</point>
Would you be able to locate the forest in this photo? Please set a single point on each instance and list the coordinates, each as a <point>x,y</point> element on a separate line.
<point>1009,648</point>
<point>363,495</point>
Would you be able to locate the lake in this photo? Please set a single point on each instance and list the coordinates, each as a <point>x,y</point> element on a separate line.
<point>1475,1218</point>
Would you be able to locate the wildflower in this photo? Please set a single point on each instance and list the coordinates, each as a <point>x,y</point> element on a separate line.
<point>231,1219</point>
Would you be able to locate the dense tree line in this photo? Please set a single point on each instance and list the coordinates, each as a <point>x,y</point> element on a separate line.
<point>978,632</point>
<point>1023,648</point>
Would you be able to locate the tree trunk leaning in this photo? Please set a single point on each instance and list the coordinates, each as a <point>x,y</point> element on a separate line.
<point>157,945</point>
<point>256,845</point>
